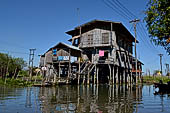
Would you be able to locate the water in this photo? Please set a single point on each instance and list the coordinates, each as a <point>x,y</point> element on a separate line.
<point>83,99</point>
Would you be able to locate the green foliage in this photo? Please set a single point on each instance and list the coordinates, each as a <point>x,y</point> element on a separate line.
<point>158,22</point>
<point>15,82</point>
<point>156,79</point>
<point>10,65</point>
<point>23,73</point>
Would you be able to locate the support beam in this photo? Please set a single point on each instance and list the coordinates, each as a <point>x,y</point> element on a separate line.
<point>124,75</point>
<point>131,80</point>
<point>113,75</point>
<point>110,75</point>
<point>69,66</point>
<point>97,75</point>
<point>117,75</point>
<point>88,77</point>
<point>79,72</point>
<point>59,69</point>
<point>84,78</point>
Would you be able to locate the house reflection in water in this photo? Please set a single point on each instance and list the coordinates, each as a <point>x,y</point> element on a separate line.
<point>93,98</point>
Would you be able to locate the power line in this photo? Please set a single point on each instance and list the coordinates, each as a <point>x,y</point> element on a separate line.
<point>126,13</point>
<point>116,5</point>
<point>115,10</point>
<point>146,34</point>
<point>124,8</point>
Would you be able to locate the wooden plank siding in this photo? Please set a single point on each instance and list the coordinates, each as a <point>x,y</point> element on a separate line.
<point>95,38</point>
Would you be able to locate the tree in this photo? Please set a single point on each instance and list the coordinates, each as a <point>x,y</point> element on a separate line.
<point>158,22</point>
<point>10,65</point>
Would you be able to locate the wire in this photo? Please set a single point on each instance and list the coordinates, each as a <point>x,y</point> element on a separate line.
<point>145,35</point>
<point>125,9</point>
<point>121,8</point>
<point>115,10</point>
<point>114,4</point>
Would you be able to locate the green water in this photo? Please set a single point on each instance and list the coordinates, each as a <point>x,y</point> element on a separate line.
<point>83,99</point>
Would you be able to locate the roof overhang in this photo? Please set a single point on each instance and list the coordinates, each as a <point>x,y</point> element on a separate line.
<point>117,26</point>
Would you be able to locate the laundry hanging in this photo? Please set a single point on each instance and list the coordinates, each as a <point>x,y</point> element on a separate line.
<point>101,52</point>
<point>60,58</point>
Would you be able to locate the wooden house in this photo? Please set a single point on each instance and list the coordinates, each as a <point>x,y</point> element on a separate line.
<point>60,62</point>
<point>104,50</point>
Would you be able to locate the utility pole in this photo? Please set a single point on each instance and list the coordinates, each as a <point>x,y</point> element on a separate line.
<point>161,62</point>
<point>134,23</point>
<point>167,69</point>
<point>31,61</point>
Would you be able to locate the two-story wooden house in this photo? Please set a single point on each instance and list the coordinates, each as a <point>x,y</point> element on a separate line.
<point>108,45</point>
<point>106,53</point>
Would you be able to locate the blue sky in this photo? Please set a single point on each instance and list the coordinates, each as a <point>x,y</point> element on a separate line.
<point>40,24</point>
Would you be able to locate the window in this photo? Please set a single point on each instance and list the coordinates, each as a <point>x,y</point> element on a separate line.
<point>123,57</point>
<point>90,38</point>
<point>105,38</point>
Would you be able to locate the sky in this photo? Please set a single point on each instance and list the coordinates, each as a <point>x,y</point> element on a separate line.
<point>41,24</point>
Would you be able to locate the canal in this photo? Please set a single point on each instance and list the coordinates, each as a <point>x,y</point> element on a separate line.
<point>83,99</point>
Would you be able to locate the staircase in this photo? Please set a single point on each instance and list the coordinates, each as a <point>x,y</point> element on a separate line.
<point>88,67</point>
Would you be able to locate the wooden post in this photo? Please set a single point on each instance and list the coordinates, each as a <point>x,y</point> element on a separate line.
<point>97,75</point>
<point>128,76</point>
<point>79,73</point>
<point>88,77</point>
<point>140,71</point>
<point>117,74</point>
<point>113,76</point>
<point>124,75</point>
<point>69,67</point>
<point>84,77</point>
<point>120,76</point>
<point>59,71</point>
<point>110,73</point>
<point>131,80</point>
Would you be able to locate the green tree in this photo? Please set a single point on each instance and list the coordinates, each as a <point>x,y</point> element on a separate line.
<point>10,66</point>
<point>158,22</point>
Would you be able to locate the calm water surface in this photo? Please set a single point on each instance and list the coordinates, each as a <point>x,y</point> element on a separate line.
<point>83,99</point>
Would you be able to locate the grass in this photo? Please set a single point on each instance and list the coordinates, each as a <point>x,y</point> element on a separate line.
<point>16,82</point>
<point>156,79</point>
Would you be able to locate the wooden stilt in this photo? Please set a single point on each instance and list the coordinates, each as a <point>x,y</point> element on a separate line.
<point>97,75</point>
<point>84,78</point>
<point>120,76</point>
<point>117,75</point>
<point>94,80</point>
<point>54,78</point>
<point>79,73</point>
<point>110,76</point>
<point>88,77</point>
<point>128,76</point>
<point>131,78</point>
<point>113,76</point>
<point>124,75</point>
<point>59,71</point>
<point>69,67</point>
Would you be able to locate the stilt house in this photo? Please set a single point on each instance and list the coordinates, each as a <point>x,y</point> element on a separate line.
<point>103,52</point>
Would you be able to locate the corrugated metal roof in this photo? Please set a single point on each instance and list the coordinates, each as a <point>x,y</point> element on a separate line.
<point>70,46</point>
